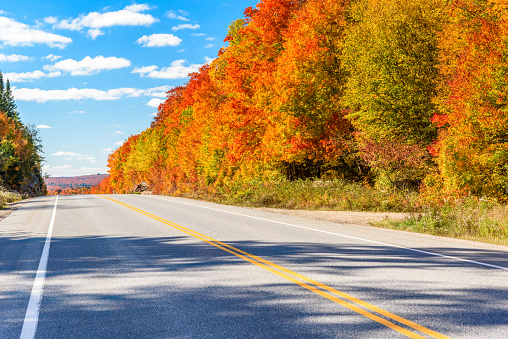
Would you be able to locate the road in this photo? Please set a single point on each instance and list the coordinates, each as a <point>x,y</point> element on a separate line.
<point>133,266</point>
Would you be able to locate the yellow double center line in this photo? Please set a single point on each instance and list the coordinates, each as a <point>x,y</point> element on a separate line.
<point>323,290</point>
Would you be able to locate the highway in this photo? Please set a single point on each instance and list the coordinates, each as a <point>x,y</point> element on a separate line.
<point>140,266</point>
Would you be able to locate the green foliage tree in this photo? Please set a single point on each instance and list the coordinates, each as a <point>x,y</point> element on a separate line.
<point>392,56</point>
<point>3,103</point>
<point>9,103</point>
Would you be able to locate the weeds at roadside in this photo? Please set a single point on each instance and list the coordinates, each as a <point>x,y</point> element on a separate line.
<point>312,195</point>
<point>468,218</point>
<point>8,197</point>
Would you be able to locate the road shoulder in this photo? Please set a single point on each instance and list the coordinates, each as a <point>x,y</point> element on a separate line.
<point>364,219</point>
<point>11,207</point>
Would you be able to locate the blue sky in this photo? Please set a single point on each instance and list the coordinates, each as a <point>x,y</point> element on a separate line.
<point>91,73</point>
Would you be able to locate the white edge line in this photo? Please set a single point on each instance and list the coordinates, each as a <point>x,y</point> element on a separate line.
<point>343,235</point>
<point>32,311</point>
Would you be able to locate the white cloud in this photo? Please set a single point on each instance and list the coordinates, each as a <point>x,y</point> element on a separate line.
<point>155,102</point>
<point>13,58</point>
<point>52,57</point>
<point>68,170</point>
<point>94,21</point>
<point>94,33</point>
<point>126,92</point>
<point>119,143</point>
<point>198,34</point>
<point>77,112</point>
<point>88,66</point>
<point>210,38</point>
<point>173,15</point>
<point>185,26</point>
<point>159,40</point>
<point>55,170</point>
<point>107,150</point>
<point>177,70</point>
<point>145,69</point>
<point>118,132</point>
<point>91,159</point>
<point>209,45</point>
<point>29,76</point>
<point>73,156</point>
<point>40,95</point>
<point>159,92</point>
<point>135,92</point>
<point>67,154</point>
<point>13,33</point>
<point>51,20</point>
<point>43,126</point>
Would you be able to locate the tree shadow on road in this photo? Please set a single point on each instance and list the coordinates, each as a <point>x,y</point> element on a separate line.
<point>177,287</point>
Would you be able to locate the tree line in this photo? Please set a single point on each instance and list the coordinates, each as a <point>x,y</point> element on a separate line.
<point>20,148</point>
<point>398,94</point>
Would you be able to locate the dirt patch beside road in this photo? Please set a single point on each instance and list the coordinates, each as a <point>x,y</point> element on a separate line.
<point>9,209</point>
<point>341,217</point>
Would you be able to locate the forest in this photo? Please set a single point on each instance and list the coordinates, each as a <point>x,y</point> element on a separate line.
<point>393,95</point>
<point>20,152</point>
<point>73,185</point>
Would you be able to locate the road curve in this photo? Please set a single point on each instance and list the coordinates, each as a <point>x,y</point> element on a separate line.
<point>132,266</point>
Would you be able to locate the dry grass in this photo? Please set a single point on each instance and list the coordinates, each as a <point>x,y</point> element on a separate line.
<point>8,197</point>
<point>469,218</point>
<point>311,195</point>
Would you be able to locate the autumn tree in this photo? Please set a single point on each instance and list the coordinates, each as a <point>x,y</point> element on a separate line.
<point>20,148</point>
<point>244,73</point>
<point>392,56</point>
<point>310,84</point>
<point>472,150</point>
<point>120,179</point>
<point>322,86</point>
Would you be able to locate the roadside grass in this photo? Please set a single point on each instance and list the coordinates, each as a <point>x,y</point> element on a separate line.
<point>8,197</point>
<point>317,195</point>
<point>468,218</point>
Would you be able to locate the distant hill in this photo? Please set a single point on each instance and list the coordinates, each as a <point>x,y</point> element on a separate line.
<point>62,183</point>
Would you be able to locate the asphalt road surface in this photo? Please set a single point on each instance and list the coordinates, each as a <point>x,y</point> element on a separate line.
<point>132,266</point>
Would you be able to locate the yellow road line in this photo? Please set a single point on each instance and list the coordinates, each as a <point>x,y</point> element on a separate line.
<point>310,284</point>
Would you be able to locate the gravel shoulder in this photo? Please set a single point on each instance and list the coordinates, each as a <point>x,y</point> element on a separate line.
<point>341,217</point>
<point>10,208</point>
<point>365,219</point>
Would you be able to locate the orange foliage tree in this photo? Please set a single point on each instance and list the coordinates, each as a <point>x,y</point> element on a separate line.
<point>307,88</point>
<point>308,124</point>
<point>472,150</point>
